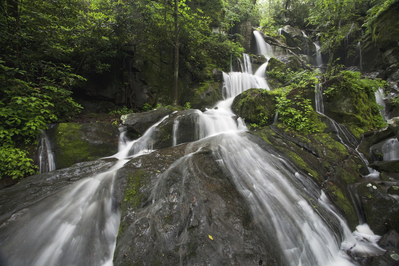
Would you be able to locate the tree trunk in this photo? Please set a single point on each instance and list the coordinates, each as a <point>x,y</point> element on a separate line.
<point>176,63</point>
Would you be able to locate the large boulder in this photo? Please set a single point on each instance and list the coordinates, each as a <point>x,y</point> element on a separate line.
<point>138,123</point>
<point>380,209</point>
<point>172,213</point>
<point>255,106</point>
<point>73,142</point>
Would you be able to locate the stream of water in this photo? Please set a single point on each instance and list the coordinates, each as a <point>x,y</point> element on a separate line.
<point>79,225</point>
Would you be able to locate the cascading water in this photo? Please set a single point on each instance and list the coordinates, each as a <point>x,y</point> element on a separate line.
<point>390,149</point>
<point>319,59</point>
<point>263,47</point>
<point>77,226</point>
<point>46,155</point>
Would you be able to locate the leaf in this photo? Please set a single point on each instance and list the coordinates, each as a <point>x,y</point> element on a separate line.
<point>210,237</point>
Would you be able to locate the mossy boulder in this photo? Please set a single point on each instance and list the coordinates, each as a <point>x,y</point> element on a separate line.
<point>255,106</point>
<point>295,39</point>
<point>357,108</point>
<point>386,166</point>
<point>380,209</point>
<point>74,143</point>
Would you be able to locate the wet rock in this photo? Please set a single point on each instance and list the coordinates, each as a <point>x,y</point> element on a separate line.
<point>386,166</point>
<point>389,240</point>
<point>73,143</point>
<point>380,209</point>
<point>138,123</point>
<point>174,214</point>
<point>31,190</point>
<point>255,106</point>
<point>394,190</point>
<point>390,258</point>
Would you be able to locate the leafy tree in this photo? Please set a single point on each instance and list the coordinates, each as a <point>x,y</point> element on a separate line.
<point>335,19</point>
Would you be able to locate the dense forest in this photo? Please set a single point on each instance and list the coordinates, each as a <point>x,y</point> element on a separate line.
<point>55,55</point>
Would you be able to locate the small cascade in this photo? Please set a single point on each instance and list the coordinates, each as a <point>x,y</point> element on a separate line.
<point>263,47</point>
<point>390,150</point>
<point>319,59</point>
<point>305,40</point>
<point>175,130</point>
<point>46,155</point>
<point>247,64</point>
<point>379,97</point>
<point>359,52</point>
<point>275,119</point>
<point>319,99</point>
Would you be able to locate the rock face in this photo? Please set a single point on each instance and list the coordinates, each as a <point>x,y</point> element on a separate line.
<point>73,143</point>
<point>138,123</point>
<point>296,39</point>
<point>381,210</point>
<point>177,214</point>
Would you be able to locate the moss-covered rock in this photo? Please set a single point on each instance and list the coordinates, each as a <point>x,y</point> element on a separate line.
<point>255,106</point>
<point>381,210</point>
<point>75,142</point>
<point>276,70</point>
<point>386,166</point>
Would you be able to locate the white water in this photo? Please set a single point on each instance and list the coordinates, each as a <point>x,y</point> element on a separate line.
<point>263,47</point>
<point>294,214</point>
<point>319,59</point>
<point>390,150</point>
<point>46,155</point>
<point>379,97</point>
<point>278,195</point>
<point>76,226</point>
<point>319,99</point>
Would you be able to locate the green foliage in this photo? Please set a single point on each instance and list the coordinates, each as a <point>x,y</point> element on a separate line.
<point>123,111</point>
<point>297,114</point>
<point>362,91</point>
<point>379,7</point>
<point>187,105</point>
<point>147,107</point>
<point>15,162</point>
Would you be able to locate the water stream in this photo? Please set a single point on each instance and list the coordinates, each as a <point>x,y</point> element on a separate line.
<point>79,225</point>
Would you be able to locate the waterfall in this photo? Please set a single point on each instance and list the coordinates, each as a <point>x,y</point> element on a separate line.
<point>390,150</point>
<point>79,225</point>
<point>379,97</point>
<point>359,52</point>
<point>46,155</point>
<point>319,59</point>
<point>263,48</point>
<point>76,226</point>
<point>319,99</point>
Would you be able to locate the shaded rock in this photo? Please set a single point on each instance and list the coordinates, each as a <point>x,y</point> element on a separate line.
<point>393,124</point>
<point>138,123</point>
<point>72,142</point>
<point>390,258</point>
<point>386,166</point>
<point>380,209</point>
<point>255,106</point>
<point>295,38</point>
<point>394,190</point>
<point>173,213</point>
<point>389,240</point>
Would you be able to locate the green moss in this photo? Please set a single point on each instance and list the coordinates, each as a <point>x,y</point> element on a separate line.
<point>72,148</point>
<point>355,130</point>
<point>333,150</point>
<point>300,163</point>
<point>344,205</point>
<point>132,193</point>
